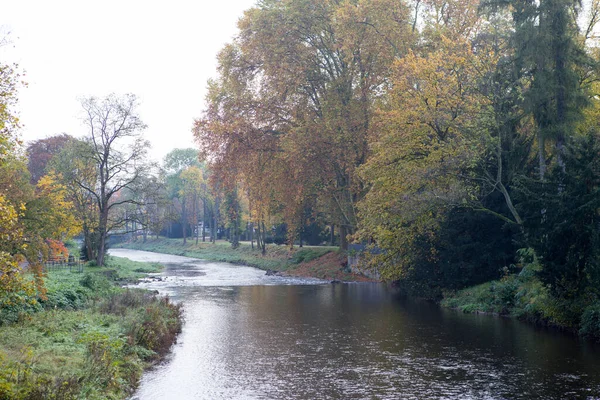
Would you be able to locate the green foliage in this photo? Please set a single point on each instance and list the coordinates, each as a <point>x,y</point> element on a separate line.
<point>526,297</point>
<point>156,327</point>
<point>508,296</point>
<point>99,348</point>
<point>73,248</point>
<point>97,283</point>
<point>562,222</point>
<point>521,295</point>
<point>65,292</point>
<point>180,159</point>
<point>590,322</point>
<point>17,305</point>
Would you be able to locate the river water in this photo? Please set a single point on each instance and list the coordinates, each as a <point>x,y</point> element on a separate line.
<point>251,336</point>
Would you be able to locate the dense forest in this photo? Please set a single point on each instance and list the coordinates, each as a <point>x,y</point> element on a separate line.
<point>457,141</point>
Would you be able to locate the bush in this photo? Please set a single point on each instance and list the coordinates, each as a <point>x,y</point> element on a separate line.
<point>120,303</point>
<point>590,322</point>
<point>96,282</point>
<point>17,305</point>
<point>157,326</point>
<point>504,294</point>
<point>156,322</point>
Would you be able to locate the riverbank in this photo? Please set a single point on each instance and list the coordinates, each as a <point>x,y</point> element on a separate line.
<point>89,337</point>
<point>324,262</point>
<point>523,296</point>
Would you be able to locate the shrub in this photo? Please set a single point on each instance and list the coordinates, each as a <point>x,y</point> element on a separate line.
<point>590,322</point>
<point>96,282</point>
<point>158,326</point>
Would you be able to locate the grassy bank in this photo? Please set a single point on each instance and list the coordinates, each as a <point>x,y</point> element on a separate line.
<point>90,338</point>
<point>315,261</point>
<point>523,296</point>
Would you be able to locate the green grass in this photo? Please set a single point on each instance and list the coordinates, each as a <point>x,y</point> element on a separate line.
<point>126,270</point>
<point>278,258</point>
<point>90,338</point>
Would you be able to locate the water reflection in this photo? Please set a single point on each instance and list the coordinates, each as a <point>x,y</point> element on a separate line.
<point>356,341</point>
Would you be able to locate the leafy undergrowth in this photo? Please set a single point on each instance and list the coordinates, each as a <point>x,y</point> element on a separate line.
<point>89,339</point>
<point>310,261</point>
<point>523,296</point>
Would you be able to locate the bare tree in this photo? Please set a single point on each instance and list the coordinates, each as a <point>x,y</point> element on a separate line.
<point>118,150</point>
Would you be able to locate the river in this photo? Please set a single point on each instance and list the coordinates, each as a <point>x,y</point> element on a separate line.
<point>251,336</point>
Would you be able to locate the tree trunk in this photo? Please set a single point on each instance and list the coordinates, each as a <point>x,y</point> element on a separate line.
<point>332,235</point>
<point>204,220</point>
<point>196,217</point>
<point>235,234</point>
<point>301,232</point>
<point>87,239</point>
<point>343,238</point>
<point>215,218</point>
<point>264,237</point>
<point>258,236</point>
<point>541,156</point>
<point>102,226</point>
<point>214,227</point>
<point>183,221</point>
<point>127,231</point>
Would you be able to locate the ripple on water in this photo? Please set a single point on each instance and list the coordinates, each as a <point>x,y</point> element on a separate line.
<point>249,336</point>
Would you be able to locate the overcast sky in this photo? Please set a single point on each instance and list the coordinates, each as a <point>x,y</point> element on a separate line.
<point>162,51</point>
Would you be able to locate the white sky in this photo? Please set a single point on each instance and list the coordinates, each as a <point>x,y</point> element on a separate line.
<point>162,51</point>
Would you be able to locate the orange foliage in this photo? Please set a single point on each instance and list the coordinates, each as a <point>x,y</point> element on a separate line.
<point>57,250</point>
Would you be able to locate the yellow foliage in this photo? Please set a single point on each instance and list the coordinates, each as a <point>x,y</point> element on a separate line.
<point>428,138</point>
<point>59,217</point>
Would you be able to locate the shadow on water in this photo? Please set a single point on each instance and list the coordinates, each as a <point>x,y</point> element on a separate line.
<point>304,341</point>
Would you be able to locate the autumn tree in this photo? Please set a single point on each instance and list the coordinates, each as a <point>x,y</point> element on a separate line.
<point>9,121</point>
<point>233,216</point>
<point>292,107</point>
<point>154,209</point>
<point>30,218</point>
<point>427,138</point>
<point>76,173</point>
<point>440,143</point>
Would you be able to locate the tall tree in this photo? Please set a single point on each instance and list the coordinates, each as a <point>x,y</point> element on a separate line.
<point>550,56</point>
<point>115,146</point>
<point>175,163</point>
<point>440,142</point>
<point>77,174</point>
<point>291,111</point>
